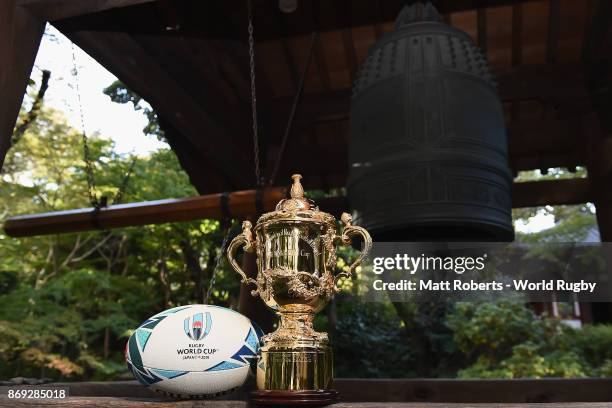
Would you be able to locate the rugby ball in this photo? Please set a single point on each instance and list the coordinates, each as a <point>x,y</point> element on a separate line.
<point>193,351</point>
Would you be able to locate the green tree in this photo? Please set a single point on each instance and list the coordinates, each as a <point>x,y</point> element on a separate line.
<point>68,302</point>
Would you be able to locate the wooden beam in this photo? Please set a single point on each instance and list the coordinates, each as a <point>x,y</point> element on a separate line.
<point>242,204</point>
<point>517,51</point>
<point>599,165</point>
<point>208,19</point>
<point>378,31</point>
<point>123,56</point>
<point>20,34</point>
<point>446,6</point>
<point>343,13</point>
<point>202,174</point>
<point>545,82</point>
<point>597,31</point>
<point>235,73</point>
<point>597,147</point>
<point>481,14</point>
<point>488,392</point>
<point>517,34</point>
<point>597,58</point>
<point>535,136</point>
<point>319,59</point>
<point>389,9</point>
<point>546,143</point>
<point>189,61</point>
<point>286,46</point>
<point>552,41</point>
<point>552,192</point>
<point>52,10</point>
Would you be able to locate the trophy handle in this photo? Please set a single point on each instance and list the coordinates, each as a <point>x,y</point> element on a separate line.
<point>351,230</point>
<point>246,240</point>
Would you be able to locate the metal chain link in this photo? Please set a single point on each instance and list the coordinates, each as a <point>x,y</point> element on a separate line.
<point>93,198</point>
<point>258,178</point>
<point>213,277</point>
<point>91,186</point>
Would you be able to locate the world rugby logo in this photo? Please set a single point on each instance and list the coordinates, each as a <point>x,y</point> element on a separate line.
<point>197,326</point>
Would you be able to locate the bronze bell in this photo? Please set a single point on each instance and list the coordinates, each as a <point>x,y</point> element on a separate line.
<point>428,151</point>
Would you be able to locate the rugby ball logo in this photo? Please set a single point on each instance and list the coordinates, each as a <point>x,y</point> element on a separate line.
<point>197,326</point>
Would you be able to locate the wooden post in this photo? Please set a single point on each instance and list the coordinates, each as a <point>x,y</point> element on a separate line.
<point>599,164</point>
<point>20,34</point>
<point>595,53</point>
<point>599,160</point>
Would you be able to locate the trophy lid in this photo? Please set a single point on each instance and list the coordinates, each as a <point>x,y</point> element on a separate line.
<point>297,207</point>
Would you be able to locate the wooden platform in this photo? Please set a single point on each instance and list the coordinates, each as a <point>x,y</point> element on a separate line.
<point>111,402</point>
<point>591,392</point>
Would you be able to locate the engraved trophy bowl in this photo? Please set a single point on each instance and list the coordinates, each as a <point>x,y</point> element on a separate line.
<point>296,260</point>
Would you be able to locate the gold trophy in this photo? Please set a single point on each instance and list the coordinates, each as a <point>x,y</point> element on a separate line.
<point>296,259</point>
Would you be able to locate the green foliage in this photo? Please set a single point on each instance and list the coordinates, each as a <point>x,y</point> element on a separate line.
<point>119,93</point>
<point>67,303</point>
<point>490,330</point>
<point>506,340</point>
<point>595,344</point>
<point>429,337</point>
<point>527,361</point>
<point>369,342</point>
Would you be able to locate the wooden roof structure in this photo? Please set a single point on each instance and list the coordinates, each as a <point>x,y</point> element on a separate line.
<point>189,60</point>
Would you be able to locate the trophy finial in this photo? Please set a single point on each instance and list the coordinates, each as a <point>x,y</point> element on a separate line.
<point>297,191</point>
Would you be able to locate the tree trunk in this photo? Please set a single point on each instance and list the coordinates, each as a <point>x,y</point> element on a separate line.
<point>162,270</point>
<point>105,352</point>
<point>192,262</point>
<point>210,267</point>
<point>34,110</point>
<point>20,34</point>
<point>253,307</point>
<point>332,318</point>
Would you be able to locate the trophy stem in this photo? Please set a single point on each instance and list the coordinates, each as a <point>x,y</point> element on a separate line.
<point>296,330</point>
<point>300,322</point>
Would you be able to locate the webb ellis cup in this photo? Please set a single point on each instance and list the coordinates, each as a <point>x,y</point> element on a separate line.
<point>296,259</point>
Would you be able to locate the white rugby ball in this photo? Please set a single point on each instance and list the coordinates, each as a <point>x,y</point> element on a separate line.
<point>193,351</point>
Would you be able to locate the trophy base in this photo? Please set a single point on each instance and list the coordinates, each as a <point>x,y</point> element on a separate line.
<point>294,398</point>
<point>295,369</point>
